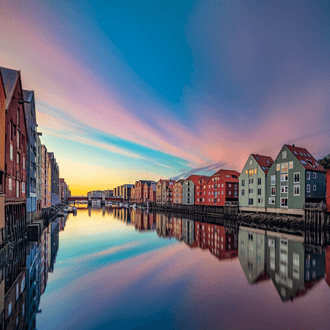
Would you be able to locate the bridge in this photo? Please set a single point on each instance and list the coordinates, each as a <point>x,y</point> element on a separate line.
<point>89,199</point>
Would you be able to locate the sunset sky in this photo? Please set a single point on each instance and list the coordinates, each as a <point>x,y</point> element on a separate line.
<point>130,90</point>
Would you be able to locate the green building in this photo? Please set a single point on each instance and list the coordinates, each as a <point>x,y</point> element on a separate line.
<point>253,183</point>
<point>295,178</point>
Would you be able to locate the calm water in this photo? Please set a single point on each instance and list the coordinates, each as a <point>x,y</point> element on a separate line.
<point>120,270</point>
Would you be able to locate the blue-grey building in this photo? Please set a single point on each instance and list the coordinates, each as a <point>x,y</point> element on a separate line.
<point>31,166</point>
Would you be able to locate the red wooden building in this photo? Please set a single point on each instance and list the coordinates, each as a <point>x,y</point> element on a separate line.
<point>201,190</point>
<point>15,152</point>
<point>222,187</point>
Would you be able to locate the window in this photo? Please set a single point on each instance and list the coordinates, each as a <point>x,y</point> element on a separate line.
<point>242,193</point>
<point>271,200</point>
<point>10,183</point>
<point>308,188</point>
<point>17,291</point>
<point>308,175</point>
<point>235,193</point>
<point>272,191</point>
<point>296,259</point>
<point>284,202</point>
<point>229,192</point>
<point>303,162</point>
<point>250,201</point>
<point>255,171</point>
<point>17,188</point>
<point>314,187</point>
<point>23,187</point>
<point>11,152</point>
<point>284,168</point>
<point>284,154</point>
<point>296,178</point>
<point>259,181</point>
<point>18,158</point>
<point>284,177</point>
<point>278,167</point>
<point>9,309</point>
<point>314,175</point>
<point>222,192</point>
<point>259,191</point>
<point>290,165</point>
<point>229,185</point>
<point>296,190</point>
<point>250,172</point>
<point>17,139</point>
<point>250,161</point>
<point>246,171</point>
<point>284,189</point>
<point>243,183</point>
<point>250,191</point>
<point>273,180</point>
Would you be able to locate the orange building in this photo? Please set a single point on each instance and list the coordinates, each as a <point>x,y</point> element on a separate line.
<point>177,192</point>
<point>152,192</point>
<point>222,188</point>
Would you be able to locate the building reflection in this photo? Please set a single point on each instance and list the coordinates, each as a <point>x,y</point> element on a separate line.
<point>24,268</point>
<point>293,266</point>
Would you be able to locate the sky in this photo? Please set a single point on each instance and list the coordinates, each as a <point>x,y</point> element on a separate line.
<point>129,90</point>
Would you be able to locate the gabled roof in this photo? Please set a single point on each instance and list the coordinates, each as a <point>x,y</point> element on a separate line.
<point>305,158</point>
<point>9,78</point>
<point>204,177</point>
<point>180,181</point>
<point>227,175</point>
<point>194,178</point>
<point>265,162</point>
<point>27,96</point>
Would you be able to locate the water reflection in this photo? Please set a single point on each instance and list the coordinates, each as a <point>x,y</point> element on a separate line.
<point>24,268</point>
<point>293,264</point>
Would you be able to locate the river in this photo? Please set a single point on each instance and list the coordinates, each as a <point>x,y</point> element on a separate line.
<point>115,269</point>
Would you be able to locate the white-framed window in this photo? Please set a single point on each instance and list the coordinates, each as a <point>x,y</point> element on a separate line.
<point>284,189</point>
<point>308,189</point>
<point>229,192</point>
<point>314,187</point>
<point>290,165</point>
<point>222,192</point>
<point>278,167</point>
<point>284,167</point>
<point>284,154</point>
<point>284,177</point>
<point>243,183</point>
<point>10,183</point>
<point>284,202</point>
<point>11,152</point>
<point>250,161</point>
<point>308,175</point>
<point>273,191</point>
<point>296,191</point>
<point>271,200</point>
<point>229,185</point>
<point>23,187</point>
<point>296,177</point>
<point>314,175</point>
<point>296,259</point>
<point>273,180</point>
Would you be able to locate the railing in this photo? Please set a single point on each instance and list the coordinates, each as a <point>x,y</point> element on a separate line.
<point>315,206</point>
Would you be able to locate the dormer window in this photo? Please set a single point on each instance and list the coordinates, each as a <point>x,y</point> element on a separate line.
<point>309,155</point>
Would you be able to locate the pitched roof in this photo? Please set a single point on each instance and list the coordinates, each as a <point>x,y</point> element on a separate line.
<point>305,158</point>
<point>265,162</point>
<point>27,96</point>
<point>180,181</point>
<point>194,178</point>
<point>9,78</point>
<point>227,175</point>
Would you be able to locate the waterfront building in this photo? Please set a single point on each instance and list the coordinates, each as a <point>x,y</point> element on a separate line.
<point>167,191</point>
<point>108,193</point>
<point>39,174</point>
<point>31,125</point>
<point>252,254</point>
<point>55,179</point>
<point>328,190</point>
<point>146,192</point>
<point>159,191</point>
<point>201,190</point>
<point>139,190</point>
<point>44,178</point>
<point>132,194</point>
<point>177,192</point>
<point>2,161</point>
<point>152,192</point>
<point>295,178</point>
<point>293,266</point>
<point>222,187</point>
<point>253,183</point>
<point>63,190</point>
<point>188,189</point>
<point>127,191</point>
<point>15,153</point>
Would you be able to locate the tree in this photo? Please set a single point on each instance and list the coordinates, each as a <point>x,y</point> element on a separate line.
<point>325,162</point>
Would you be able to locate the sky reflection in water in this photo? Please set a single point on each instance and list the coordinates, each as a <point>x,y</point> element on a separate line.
<point>108,275</point>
